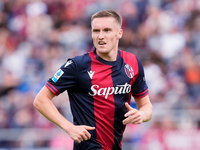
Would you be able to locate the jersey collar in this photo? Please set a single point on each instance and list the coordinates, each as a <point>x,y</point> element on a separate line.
<point>111,63</point>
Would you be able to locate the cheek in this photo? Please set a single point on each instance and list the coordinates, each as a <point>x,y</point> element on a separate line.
<point>94,41</point>
<point>115,38</point>
<point>93,38</point>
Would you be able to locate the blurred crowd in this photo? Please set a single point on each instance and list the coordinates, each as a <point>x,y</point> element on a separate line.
<point>38,36</point>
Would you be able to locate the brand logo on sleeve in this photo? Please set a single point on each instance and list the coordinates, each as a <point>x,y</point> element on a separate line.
<point>57,75</point>
<point>129,71</point>
<point>68,63</point>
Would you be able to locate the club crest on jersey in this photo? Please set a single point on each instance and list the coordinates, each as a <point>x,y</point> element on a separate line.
<point>57,75</point>
<point>129,71</point>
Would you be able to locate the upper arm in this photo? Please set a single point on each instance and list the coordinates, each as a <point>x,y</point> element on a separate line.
<point>144,101</point>
<point>44,94</point>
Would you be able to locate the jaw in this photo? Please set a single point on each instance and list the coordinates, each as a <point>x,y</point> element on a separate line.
<point>109,54</point>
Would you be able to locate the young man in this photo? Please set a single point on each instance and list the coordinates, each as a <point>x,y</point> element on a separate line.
<point>99,85</point>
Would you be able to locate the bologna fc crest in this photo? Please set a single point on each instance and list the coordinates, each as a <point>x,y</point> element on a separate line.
<point>129,71</point>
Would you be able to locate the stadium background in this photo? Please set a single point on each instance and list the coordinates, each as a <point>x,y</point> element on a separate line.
<point>37,36</point>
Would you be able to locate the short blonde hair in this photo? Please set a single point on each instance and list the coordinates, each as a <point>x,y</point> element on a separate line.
<point>107,13</point>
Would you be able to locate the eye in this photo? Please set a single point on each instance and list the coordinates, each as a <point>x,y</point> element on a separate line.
<point>96,30</point>
<point>107,29</point>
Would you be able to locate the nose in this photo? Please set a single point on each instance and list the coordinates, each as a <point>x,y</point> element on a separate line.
<point>101,35</point>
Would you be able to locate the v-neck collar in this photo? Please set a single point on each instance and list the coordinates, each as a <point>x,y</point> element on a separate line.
<point>111,63</point>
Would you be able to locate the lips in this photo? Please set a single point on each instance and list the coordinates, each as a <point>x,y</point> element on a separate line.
<point>101,43</point>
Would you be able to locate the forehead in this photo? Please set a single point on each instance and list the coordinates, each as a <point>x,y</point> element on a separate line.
<point>104,22</point>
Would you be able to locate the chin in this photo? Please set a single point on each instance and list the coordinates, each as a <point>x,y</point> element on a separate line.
<point>103,51</point>
<point>101,48</point>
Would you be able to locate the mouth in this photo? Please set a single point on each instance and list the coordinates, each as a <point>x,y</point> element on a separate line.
<point>101,43</point>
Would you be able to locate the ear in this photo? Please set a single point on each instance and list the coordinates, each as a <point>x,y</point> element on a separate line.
<point>120,34</point>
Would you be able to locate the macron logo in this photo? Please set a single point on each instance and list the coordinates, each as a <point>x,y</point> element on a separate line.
<point>68,63</point>
<point>91,73</point>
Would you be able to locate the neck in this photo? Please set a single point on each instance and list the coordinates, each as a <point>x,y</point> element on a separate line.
<point>112,56</point>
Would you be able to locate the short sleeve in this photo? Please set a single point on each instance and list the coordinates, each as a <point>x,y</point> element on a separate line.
<point>140,88</point>
<point>64,78</point>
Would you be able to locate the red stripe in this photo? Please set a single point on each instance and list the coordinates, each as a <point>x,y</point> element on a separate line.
<point>104,109</point>
<point>53,88</point>
<point>142,95</point>
<point>142,92</point>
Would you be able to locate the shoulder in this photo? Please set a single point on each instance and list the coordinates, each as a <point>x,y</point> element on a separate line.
<point>127,56</point>
<point>81,59</point>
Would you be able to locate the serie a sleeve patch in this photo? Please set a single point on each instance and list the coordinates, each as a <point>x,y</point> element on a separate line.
<point>57,75</point>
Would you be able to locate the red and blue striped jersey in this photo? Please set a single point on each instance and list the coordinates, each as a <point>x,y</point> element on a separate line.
<point>98,90</point>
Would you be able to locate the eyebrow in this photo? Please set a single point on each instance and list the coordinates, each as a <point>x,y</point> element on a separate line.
<point>95,30</point>
<point>103,29</point>
<point>107,29</point>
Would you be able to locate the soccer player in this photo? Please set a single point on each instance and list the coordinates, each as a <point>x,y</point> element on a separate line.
<point>100,85</point>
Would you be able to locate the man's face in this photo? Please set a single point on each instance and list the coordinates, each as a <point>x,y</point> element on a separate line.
<point>106,33</point>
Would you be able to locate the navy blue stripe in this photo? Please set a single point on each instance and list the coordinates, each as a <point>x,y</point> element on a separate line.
<point>82,105</point>
<point>119,77</point>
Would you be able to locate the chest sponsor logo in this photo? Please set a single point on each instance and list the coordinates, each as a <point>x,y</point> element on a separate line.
<point>91,73</point>
<point>57,75</point>
<point>119,89</point>
<point>129,71</point>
